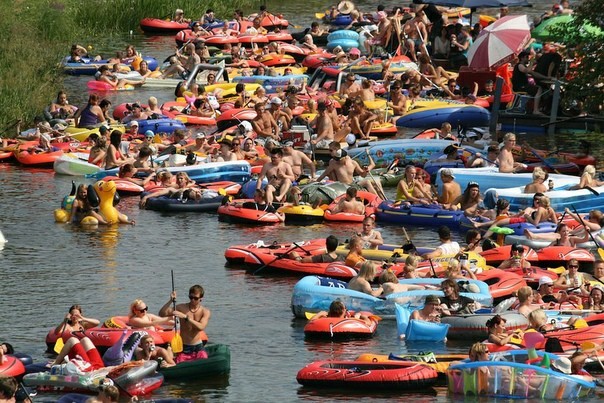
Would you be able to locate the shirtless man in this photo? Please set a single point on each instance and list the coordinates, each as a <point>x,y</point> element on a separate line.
<point>417,34</point>
<point>361,119</point>
<point>280,177</point>
<point>341,126</point>
<point>342,168</point>
<point>505,160</point>
<point>450,191</point>
<point>264,124</point>
<point>281,117</point>
<point>297,160</point>
<point>350,203</point>
<point>194,318</point>
<point>349,87</point>
<point>366,93</point>
<point>324,127</point>
<point>398,101</point>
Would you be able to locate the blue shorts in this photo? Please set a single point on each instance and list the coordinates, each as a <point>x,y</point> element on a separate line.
<point>189,349</point>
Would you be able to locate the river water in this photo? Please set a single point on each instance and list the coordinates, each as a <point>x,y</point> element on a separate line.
<point>47,267</point>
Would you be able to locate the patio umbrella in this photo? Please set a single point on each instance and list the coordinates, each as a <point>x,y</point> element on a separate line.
<point>479,3</point>
<point>499,42</point>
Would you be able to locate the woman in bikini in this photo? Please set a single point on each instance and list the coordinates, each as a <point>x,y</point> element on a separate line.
<point>408,191</point>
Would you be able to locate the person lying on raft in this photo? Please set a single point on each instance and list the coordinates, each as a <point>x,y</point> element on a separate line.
<point>588,179</point>
<point>337,309</point>
<point>193,316</point>
<point>350,203</point>
<point>140,318</point>
<point>562,236</point>
<point>330,255</point>
<point>390,284</point>
<point>147,351</point>
<point>106,77</point>
<point>74,321</point>
<point>183,188</point>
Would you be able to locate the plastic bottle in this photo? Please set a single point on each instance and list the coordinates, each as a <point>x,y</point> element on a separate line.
<point>550,184</point>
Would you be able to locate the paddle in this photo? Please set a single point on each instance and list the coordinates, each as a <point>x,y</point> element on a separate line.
<point>600,250</point>
<point>592,190</point>
<point>378,188</point>
<point>536,154</point>
<point>409,242</point>
<point>176,341</point>
<point>296,246</point>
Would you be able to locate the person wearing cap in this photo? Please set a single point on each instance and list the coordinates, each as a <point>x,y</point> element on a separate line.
<point>279,175</point>
<point>521,83</point>
<point>132,129</point>
<point>298,161</point>
<point>451,153</point>
<point>354,54</point>
<point>136,113</point>
<point>517,260</point>
<point>226,150</point>
<point>148,141</point>
<point>450,191</point>
<point>446,248</point>
<point>283,120</point>
<point>264,124</point>
<point>179,16</point>
<point>201,145</point>
<point>545,293</point>
<point>497,331</point>
<point>478,160</point>
<point>430,312</point>
<point>505,160</point>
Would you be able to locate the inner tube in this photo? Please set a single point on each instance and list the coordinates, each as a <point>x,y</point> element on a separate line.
<point>343,34</point>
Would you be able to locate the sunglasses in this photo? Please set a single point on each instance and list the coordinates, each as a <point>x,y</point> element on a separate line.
<point>193,297</point>
<point>573,266</point>
<point>149,137</point>
<point>236,144</point>
<point>145,309</point>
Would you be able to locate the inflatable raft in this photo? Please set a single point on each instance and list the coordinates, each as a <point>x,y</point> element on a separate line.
<point>360,374</point>
<point>217,363</point>
<point>235,213</point>
<point>502,283</point>
<point>370,200</point>
<point>238,253</point>
<point>209,203</point>
<point>340,328</point>
<point>473,326</point>
<point>393,212</point>
<point>314,294</point>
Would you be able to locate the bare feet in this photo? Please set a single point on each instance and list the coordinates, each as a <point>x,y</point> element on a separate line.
<point>528,234</point>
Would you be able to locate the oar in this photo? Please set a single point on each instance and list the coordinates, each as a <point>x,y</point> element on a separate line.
<point>432,269</point>
<point>176,342</point>
<point>536,154</point>
<point>481,156</point>
<point>296,246</point>
<point>600,250</point>
<point>409,242</point>
<point>592,190</point>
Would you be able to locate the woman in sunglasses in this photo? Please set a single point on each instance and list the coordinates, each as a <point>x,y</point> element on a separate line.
<point>140,318</point>
<point>571,280</point>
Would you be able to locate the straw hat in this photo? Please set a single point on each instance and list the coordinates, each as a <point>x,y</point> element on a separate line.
<point>345,7</point>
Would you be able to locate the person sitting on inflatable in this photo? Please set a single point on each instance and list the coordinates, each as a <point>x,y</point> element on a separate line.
<point>179,16</point>
<point>361,282</point>
<point>82,208</point>
<point>431,311</point>
<point>497,333</point>
<point>337,309</point>
<point>74,321</point>
<point>147,350</point>
<point>453,303</point>
<point>140,318</point>
<point>5,348</point>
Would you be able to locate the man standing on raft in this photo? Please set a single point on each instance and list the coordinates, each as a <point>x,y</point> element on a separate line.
<point>194,318</point>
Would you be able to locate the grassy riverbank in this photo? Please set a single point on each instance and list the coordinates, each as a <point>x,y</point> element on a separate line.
<point>38,34</point>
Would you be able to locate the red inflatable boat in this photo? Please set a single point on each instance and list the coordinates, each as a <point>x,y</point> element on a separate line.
<point>155,25</point>
<point>12,367</point>
<point>502,284</point>
<point>341,328</point>
<point>404,375</point>
<point>370,200</point>
<point>235,213</point>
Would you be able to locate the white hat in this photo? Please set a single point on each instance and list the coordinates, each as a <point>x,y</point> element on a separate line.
<point>345,7</point>
<point>133,123</point>
<point>447,172</point>
<point>276,101</point>
<point>245,127</point>
<point>563,365</point>
<point>545,280</point>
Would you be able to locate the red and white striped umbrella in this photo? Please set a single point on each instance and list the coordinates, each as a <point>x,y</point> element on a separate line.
<point>499,42</point>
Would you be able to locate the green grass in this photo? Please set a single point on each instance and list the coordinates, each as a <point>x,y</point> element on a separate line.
<point>37,34</point>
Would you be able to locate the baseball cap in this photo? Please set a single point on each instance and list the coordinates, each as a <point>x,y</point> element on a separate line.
<point>473,185</point>
<point>340,154</point>
<point>149,133</point>
<point>200,135</point>
<point>447,172</point>
<point>288,143</point>
<point>276,101</point>
<point>133,123</point>
<point>355,51</point>
<point>545,280</point>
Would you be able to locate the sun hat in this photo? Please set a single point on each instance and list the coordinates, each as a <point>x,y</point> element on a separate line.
<point>345,7</point>
<point>545,280</point>
<point>563,365</point>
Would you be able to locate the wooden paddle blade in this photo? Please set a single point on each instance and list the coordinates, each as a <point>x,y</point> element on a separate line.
<point>58,345</point>
<point>176,343</point>
<point>601,253</point>
<point>309,315</point>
